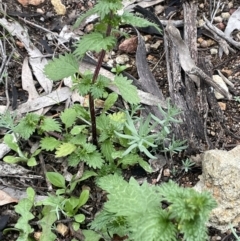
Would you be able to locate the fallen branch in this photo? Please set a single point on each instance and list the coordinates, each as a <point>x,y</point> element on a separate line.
<point>187,62</point>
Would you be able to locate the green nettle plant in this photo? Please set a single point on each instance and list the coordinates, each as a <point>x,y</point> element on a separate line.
<point>135,211</point>
<point>102,39</point>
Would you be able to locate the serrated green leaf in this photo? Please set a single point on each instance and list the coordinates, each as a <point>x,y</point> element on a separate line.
<point>77,129</point>
<point>23,208</point>
<point>105,7</point>
<point>79,218</point>
<point>91,235</point>
<point>128,198</point>
<point>94,160</point>
<point>83,85</point>
<point>49,124</point>
<point>49,143</point>
<point>68,117</point>
<point>98,89</point>
<point>129,160</point>
<point>61,67</point>
<point>65,149</point>
<point>49,217</point>
<point>107,149</point>
<point>129,18</point>
<point>110,101</point>
<point>27,125</point>
<point>118,117</point>
<point>56,179</point>
<point>82,17</point>
<point>94,42</point>
<point>30,193</point>
<point>127,90</point>
<point>73,160</point>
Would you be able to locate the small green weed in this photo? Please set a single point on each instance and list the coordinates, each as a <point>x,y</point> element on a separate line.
<point>187,165</point>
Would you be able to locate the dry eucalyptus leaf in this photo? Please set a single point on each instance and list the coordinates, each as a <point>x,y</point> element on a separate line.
<point>53,98</point>
<point>36,60</point>
<point>233,23</point>
<point>27,81</point>
<point>25,3</point>
<point>6,199</point>
<point>59,7</point>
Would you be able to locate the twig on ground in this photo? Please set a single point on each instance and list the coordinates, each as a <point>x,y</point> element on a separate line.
<point>44,29</point>
<point>80,171</point>
<point>49,185</point>
<point>221,34</point>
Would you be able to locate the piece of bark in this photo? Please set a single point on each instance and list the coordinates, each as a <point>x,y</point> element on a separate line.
<point>184,92</point>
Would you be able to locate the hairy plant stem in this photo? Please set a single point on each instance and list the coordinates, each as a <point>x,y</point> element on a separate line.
<point>95,76</point>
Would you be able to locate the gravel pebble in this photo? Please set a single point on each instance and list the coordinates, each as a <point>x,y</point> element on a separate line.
<point>225,15</point>
<point>122,59</point>
<point>213,51</point>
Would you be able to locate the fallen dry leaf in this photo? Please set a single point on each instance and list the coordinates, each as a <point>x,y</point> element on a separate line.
<point>5,198</point>
<point>25,3</point>
<point>59,7</point>
<point>28,82</point>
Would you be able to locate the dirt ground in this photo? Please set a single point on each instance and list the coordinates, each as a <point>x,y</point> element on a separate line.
<point>43,17</point>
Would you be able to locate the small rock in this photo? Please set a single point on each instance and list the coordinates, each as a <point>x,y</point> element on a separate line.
<point>156,45</point>
<point>110,63</point>
<point>232,10</point>
<point>213,51</point>
<point>150,57</point>
<point>59,7</point>
<point>226,72</point>
<point>159,9</point>
<point>200,40</point>
<point>222,105</point>
<point>204,44</point>
<point>230,4</point>
<point>220,82</point>
<point>166,172</point>
<point>39,10</point>
<point>122,59</point>
<point>201,5</point>
<point>212,133</point>
<point>201,22</point>
<point>147,47</point>
<point>221,177</point>
<point>129,45</point>
<point>89,28</point>
<point>210,42</point>
<point>147,38</point>
<point>218,19</point>
<point>225,15</point>
<point>25,3</point>
<point>221,26</point>
<point>62,229</point>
